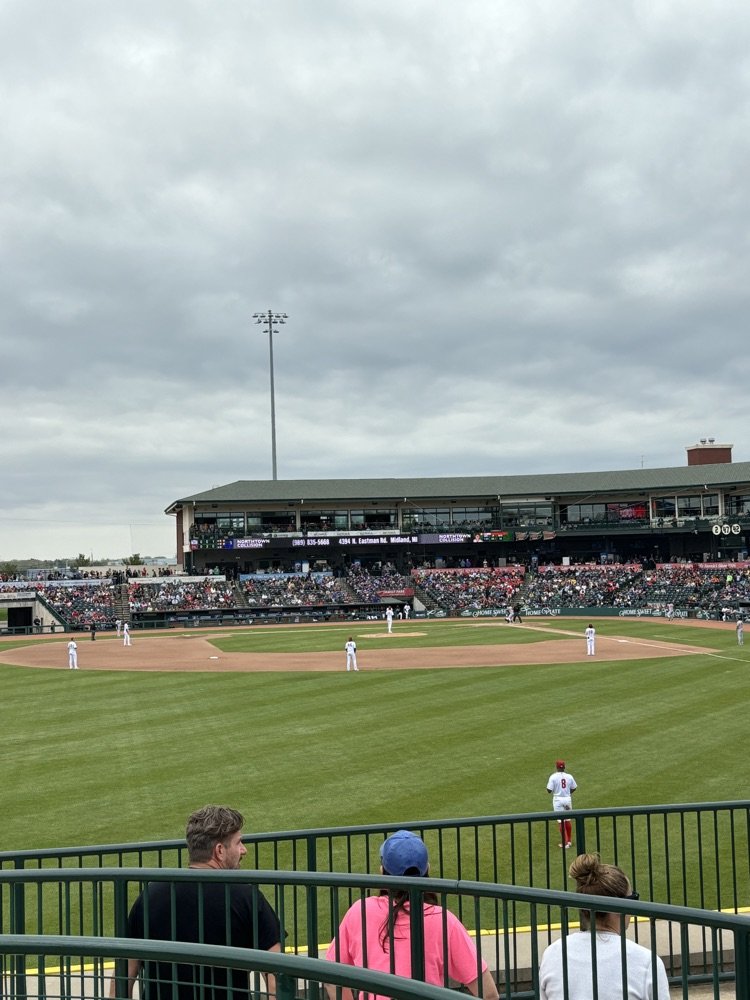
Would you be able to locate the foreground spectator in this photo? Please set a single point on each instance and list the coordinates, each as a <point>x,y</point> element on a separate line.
<point>375,932</point>
<point>597,879</point>
<point>192,911</point>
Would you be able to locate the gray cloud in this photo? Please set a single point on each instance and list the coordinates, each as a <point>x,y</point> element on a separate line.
<point>509,238</point>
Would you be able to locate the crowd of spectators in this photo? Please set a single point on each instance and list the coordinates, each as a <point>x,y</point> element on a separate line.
<point>81,607</point>
<point>582,586</point>
<point>689,586</point>
<point>368,586</point>
<point>692,585</point>
<point>181,596</point>
<point>294,591</point>
<point>686,586</point>
<point>461,589</point>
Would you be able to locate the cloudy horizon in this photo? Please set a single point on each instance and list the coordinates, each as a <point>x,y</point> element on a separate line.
<point>509,237</point>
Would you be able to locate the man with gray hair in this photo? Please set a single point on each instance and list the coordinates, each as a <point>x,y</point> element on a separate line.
<point>193,911</point>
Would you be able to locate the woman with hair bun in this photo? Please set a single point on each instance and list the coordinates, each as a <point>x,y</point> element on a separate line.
<point>594,878</point>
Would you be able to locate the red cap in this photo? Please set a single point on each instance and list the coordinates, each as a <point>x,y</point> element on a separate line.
<point>560,765</point>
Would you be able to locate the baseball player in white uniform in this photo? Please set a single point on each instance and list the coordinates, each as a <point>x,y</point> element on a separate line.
<point>740,627</point>
<point>118,626</point>
<point>407,611</point>
<point>351,654</point>
<point>561,786</point>
<point>389,618</point>
<point>590,640</point>
<point>126,634</point>
<point>73,655</point>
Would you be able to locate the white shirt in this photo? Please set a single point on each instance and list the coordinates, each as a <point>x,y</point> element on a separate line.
<point>350,647</point>
<point>562,785</point>
<point>608,970</point>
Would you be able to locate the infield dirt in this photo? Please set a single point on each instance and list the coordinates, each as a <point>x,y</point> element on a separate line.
<point>188,652</point>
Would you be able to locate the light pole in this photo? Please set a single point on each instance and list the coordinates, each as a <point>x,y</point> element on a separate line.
<point>271,319</point>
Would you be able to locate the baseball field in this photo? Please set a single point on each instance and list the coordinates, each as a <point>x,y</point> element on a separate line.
<point>445,719</point>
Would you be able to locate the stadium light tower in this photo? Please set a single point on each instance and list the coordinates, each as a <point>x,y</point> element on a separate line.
<point>271,319</point>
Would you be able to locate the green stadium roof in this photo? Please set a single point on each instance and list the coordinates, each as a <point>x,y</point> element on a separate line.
<point>568,485</point>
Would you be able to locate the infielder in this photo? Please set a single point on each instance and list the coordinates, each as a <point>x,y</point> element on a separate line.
<point>590,640</point>
<point>126,634</point>
<point>351,654</point>
<point>389,618</point>
<point>73,655</point>
<point>561,786</point>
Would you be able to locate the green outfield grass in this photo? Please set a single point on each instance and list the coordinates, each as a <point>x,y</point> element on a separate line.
<point>97,757</point>
<point>372,635</point>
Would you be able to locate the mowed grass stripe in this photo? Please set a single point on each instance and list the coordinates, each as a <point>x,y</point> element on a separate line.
<point>103,757</point>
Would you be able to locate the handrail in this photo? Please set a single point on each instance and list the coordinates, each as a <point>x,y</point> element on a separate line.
<point>251,959</point>
<point>382,828</point>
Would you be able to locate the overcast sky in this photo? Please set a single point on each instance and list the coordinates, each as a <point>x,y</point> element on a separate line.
<point>510,237</point>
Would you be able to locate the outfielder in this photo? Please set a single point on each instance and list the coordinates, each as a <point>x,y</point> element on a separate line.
<point>561,786</point>
<point>351,654</point>
<point>73,655</point>
<point>740,632</point>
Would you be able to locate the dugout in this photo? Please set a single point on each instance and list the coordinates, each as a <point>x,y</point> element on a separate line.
<point>20,618</point>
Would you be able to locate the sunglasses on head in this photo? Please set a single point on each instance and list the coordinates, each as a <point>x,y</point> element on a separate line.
<point>634,895</point>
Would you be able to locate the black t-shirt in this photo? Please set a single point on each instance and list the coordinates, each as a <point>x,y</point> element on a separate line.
<point>191,911</point>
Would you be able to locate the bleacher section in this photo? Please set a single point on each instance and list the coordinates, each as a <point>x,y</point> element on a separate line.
<point>81,605</point>
<point>294,590</point>
<point>692,588</point>
<point>370,588</point>
<point>455,590</point>
<point>177,595</point>
<point>585,586</point>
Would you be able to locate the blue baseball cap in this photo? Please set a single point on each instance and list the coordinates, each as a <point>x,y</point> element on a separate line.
<point>404,853</point>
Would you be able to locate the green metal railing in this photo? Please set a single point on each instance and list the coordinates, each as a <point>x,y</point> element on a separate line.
<point>697,946</point>
<point>79,967</point>
<point>690,854</point>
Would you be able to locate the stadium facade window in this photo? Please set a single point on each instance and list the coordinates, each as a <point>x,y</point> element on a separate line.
<point>472,515</point>
<point>737,506</point>
<point>627,511</point>
<point>689,506</point>
<point>525,513</point>
<point>278,520</point>
<point>374,519</point>
<point>341,520</point>
<point>317,520</point>
<point>620,512</point>
<point>664,506</point>
<point>230,525</point>
<point>710,504</point>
